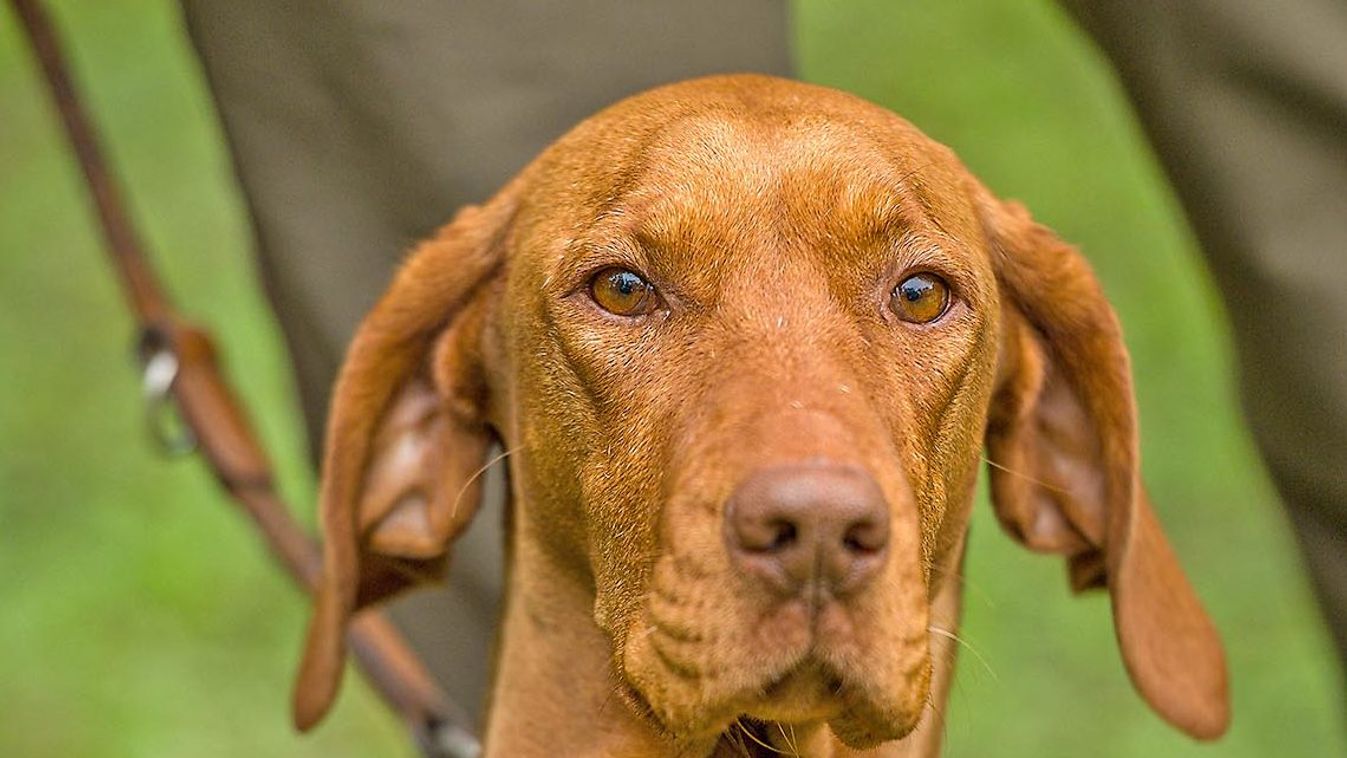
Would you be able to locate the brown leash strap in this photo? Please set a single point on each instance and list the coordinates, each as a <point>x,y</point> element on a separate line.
<point>181,369</point>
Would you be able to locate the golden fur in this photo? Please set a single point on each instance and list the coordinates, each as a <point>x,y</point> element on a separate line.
<point>775,218</point>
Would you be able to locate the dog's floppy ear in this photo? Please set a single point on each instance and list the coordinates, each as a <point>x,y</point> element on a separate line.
<point>1062,441</point>
<point>406,438</point>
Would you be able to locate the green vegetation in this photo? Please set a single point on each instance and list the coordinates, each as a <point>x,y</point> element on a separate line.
<point>141,618</point>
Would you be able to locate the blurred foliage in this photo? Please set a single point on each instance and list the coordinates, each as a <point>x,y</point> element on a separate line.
<point>143,619</point>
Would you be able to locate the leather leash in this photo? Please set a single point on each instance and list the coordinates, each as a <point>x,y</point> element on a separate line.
<point>182,374</point>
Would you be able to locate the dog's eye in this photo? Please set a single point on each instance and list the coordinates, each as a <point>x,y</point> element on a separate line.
<point>920,298</point>
<point>623,292</point>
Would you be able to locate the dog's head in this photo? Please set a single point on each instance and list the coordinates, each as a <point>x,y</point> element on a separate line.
<point>745,341</point>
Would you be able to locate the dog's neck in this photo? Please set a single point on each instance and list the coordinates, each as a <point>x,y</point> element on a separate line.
<point>555,692</point>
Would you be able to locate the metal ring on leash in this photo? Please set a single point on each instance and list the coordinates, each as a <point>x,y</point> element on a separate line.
<point>171,435</point>
<point>448,740</point>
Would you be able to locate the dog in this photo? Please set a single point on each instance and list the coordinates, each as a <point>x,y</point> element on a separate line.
<point>744,342</point>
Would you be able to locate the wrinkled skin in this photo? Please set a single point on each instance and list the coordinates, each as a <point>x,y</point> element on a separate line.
<point>774,220</point>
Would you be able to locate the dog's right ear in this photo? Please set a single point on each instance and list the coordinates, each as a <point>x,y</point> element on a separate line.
<point>1066,478</point>
<point>406,438</point>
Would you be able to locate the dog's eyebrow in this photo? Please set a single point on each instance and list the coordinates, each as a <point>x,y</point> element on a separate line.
<point>595,248</point>
<point>647,233</point>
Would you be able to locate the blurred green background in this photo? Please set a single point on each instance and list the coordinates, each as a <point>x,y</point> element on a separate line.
<point>141,618</point>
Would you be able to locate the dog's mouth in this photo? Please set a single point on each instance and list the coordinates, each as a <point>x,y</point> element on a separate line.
<point>701,668</point>
<point>811,691</point>
<point>831,677</point>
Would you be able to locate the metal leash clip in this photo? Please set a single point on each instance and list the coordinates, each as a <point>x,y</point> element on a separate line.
<point>447,740</point>
<point>171,435</point>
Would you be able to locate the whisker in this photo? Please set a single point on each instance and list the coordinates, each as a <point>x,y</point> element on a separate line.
<point>934,706</point>
<point>739,723</point>
<point>477,474</point>
<point>789,740</point>
<point>1026,477</point>
<point>963,580</point>
<point>732,739</point>
<point>947,634</point>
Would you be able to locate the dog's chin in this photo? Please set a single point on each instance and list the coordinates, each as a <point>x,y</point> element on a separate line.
<point>814,693</point>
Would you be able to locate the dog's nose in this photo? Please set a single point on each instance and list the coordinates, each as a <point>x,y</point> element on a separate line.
<point>796,526</point>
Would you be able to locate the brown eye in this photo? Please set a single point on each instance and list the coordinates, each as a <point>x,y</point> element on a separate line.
<point>920,298</point>
<point>623,292</point>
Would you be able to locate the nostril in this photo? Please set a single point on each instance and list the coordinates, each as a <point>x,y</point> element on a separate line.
<point>866,537</point>
<point>786,535</point>
<point>766,535</point>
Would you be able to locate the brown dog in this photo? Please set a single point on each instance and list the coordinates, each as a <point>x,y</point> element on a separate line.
<point>744,341</point>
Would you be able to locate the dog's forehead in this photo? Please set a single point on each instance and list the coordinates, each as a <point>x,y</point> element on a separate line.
<point>799,175</point>
<point>742,163</point>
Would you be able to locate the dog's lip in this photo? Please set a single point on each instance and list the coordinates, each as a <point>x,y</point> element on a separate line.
<point>809,665</point>
<point>809,691</point>
<point>824,625</point>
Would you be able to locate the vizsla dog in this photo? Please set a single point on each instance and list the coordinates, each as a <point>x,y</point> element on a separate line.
<point>744,341</point>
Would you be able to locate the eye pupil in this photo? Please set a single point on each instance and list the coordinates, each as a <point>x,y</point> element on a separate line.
<point>622,292</point>
<point>920,298</point>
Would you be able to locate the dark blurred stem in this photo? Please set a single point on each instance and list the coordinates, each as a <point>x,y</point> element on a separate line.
<point>128,257</point>
<point>219,424</point>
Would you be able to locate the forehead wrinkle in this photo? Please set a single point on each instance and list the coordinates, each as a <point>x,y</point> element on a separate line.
<point>851,186</point>
<point>858,225</point>
<point>901,178</point>
<point>687,152</point>
<point>700,191</point>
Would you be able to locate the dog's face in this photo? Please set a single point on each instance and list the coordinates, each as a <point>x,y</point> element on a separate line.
<point>744,341</point>
<point>748,362</point>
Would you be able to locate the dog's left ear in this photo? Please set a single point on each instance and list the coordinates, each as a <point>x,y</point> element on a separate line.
<point>406,438</point>
<point>1062,439</point>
